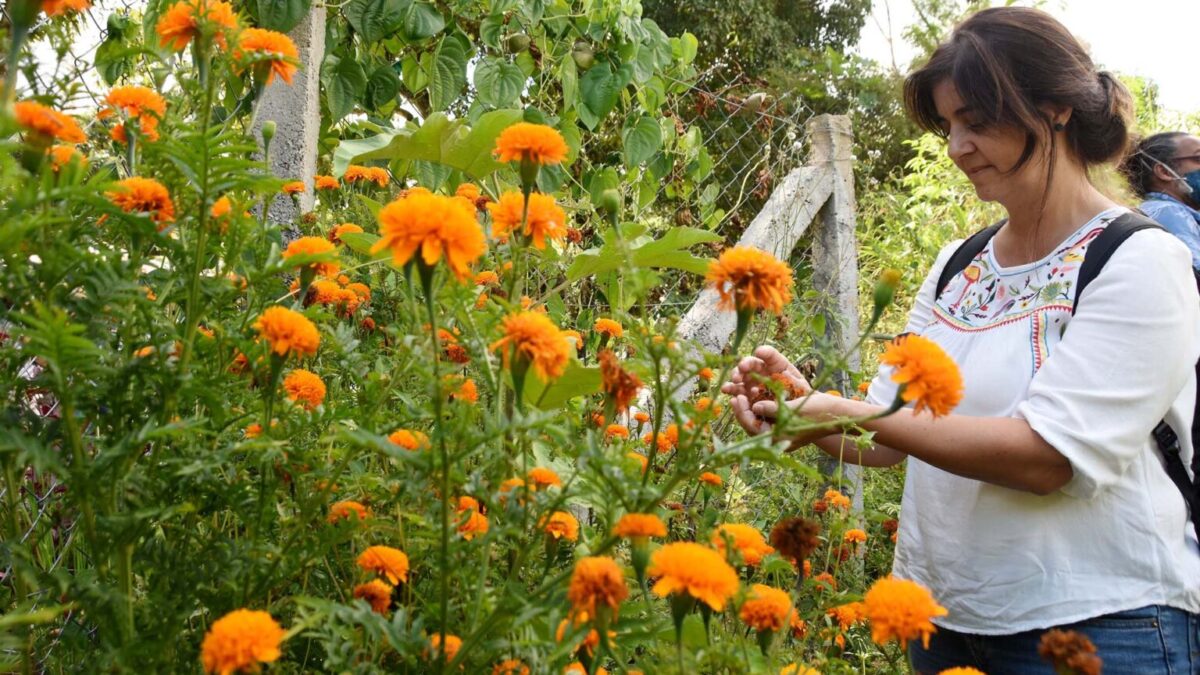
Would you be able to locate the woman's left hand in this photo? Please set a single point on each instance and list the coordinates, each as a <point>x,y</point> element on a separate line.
<point>816,408</point>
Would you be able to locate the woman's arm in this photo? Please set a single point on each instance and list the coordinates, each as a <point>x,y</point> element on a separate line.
<point>1003,451</point>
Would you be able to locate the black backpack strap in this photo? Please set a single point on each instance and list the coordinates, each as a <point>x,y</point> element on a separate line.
<point>965,253</point>
<point>1105,244</point>
<point>1099,251</point>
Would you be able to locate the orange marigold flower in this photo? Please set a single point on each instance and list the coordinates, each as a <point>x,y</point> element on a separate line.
<point>434,224</point>
<point>616,431</point>
<point>487,278</point>
<point>346,509</point>
<point>666,440</point>
<point>1069,652</point>
<point>902,610</point>
<point>532,336</point>
<point>304,387</point>
<point>390,562</point>
<point>545,220</point>
<point>510,667</point>
<point>854,536</point>
<point>608,327</point>
<point>321,182</point>
<point>798,625</point>
<point>577,668</point>
<point>453,644</point>
<point>711,478</point>
<point>848,614</point>
<point>705,374</point>
<point>766,608</point>
<point>963,670</point>
<point>183,21</point>
<point>540,477</point>
<point>509,485</point>
<point>536,143</point>
<point>837,499</point>
<point>47,122</point>
<point>373,174</point>
<point>144,195</point>
<point>324,292</point>
<point>749,279</point>
<point>928,377</point>
<point>241,640</point>
<point>641,417</point>
<point>619,385</point>
<point>315,246</point>
<point>797,669</point>
<point>254,430</point>
<point>62,155</point>
<point>134,102</point>
<point>466,391</point>
<point>57,7</point>
<point>474,523</point>
<point>409,440</point>
<point>288,332</point>
<point>377,593</point>
<point>273,51</point>
<point>220,208</point>
<point>641,459</point>
<point>746,539</point>
<point>640,525</point>
<point>561,525</point>
<point>335,235</point>
<point>596,583</point>
<point>293,187</point>
<point>695,570</point>
<point>467,191</point>
<point>826,580</point>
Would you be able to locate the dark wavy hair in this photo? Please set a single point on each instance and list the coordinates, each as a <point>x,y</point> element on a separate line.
<point>1008,62</point>
<point>1138,165</point>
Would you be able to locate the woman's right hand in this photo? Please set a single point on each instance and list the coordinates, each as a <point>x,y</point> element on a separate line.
<point>746,386</point>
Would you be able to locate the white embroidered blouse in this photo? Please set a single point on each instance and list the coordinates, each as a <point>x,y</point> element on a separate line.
<point>1117,536</point>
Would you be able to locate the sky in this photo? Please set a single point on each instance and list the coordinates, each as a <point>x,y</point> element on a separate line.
<point>1157,39</point>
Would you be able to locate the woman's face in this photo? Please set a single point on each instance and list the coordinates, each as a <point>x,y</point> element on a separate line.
<point>986,153</point>
<point>1184,160</point>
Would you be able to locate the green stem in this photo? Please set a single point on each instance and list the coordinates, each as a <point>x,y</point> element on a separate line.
<point>85,501</point>
<point>426,274</point>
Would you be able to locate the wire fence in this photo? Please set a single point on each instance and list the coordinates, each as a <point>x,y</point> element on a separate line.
<point>753,139</point>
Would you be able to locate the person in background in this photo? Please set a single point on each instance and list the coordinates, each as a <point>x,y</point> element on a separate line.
<point>1164,170</point>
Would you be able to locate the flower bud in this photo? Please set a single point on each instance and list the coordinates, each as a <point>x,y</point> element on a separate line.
<point>268,131</point>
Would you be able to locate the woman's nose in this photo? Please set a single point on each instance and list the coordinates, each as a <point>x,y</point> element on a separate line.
<point>958,145</point>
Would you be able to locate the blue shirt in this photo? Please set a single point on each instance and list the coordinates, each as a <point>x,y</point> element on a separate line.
<point>1177,218</point>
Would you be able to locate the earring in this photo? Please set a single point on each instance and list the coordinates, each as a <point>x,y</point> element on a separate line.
<point>1059,126</point>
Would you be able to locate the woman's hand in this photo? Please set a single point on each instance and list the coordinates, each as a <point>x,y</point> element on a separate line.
<point>746,386</point>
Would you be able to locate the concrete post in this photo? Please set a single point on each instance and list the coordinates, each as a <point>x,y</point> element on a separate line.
<point>835,258</point>
<point>296,110</point>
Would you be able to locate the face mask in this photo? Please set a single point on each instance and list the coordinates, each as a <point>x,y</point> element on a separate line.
<point>1191,181</point>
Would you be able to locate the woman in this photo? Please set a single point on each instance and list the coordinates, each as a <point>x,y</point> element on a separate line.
<point>1164,170</point>
<point>1040,501</point>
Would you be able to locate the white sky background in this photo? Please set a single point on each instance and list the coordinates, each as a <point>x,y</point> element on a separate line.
<point>1157,39</point>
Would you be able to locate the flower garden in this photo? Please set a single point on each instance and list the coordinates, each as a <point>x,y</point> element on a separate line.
<point>433,425</point>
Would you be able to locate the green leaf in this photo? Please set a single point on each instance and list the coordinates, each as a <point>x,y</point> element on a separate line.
<point>576,381</point>
<point>498,83</point>
<point>568,77</point>
<point>413,75</point>
<point>642,140</point>
<point>671,250</point>
<point>599,89</point>
<point>685,47</point>
<point>421,20</point>
<point>448,76</point>
<point>382,87</point>
<point>472,153</point>
<point>361,243</point>
<point>282,15</point>
<point>412,143</point>
<point>372,206</point>
<point>346,85</point>
<point>375,19</point>
<point>490,30</point>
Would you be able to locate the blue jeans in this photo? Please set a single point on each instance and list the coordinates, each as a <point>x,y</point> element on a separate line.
<point>1145,641</point>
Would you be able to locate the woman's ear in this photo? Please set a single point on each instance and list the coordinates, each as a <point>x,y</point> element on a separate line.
<point>1057,115</point>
